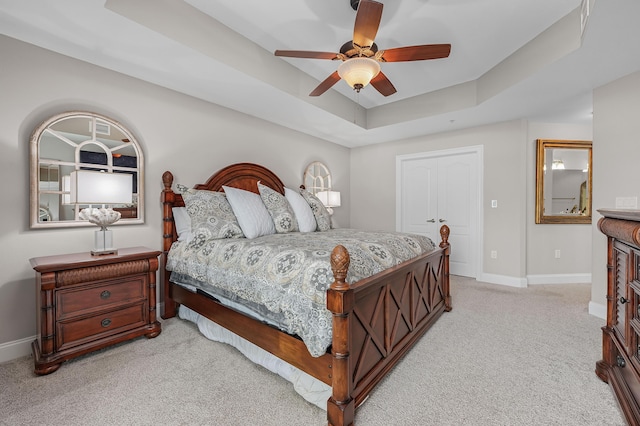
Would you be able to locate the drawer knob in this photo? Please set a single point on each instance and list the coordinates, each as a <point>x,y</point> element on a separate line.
<point>105,322</point>
<point>105,294</point>
<point>620,361</point>
<point>623,300</point>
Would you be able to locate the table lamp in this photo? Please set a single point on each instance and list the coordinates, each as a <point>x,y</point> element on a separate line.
<point>329,199</point>
<point>101,188</point>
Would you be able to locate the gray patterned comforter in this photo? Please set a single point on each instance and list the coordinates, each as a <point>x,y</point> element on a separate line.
<point>284,277</point>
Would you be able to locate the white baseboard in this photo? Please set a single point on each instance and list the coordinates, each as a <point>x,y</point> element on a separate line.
<point>16,349</point>
<point>502,280</point>
<point>598,310</point>
<point>595,309</point>
<point>559,279</point>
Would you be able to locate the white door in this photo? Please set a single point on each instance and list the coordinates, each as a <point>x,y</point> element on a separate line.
<point>442,189</point>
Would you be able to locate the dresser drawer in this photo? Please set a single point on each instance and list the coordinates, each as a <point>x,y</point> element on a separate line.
<point>85,300</point>
<point>73,333</point>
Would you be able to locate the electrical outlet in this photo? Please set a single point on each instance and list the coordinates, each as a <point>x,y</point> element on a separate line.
<point>494,254</point>
<point>557,254</point>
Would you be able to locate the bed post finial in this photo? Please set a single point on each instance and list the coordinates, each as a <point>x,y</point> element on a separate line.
<point>167,179</point>
<point>444,234</point>
<point>339,265</point>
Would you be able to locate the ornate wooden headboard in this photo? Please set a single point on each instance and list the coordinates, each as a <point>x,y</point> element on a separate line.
<point>240,175</point>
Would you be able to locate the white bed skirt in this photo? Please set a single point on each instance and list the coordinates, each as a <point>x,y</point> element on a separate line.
<point>310,388</point>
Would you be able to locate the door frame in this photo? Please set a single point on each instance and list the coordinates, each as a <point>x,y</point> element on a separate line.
<point>478,151</point>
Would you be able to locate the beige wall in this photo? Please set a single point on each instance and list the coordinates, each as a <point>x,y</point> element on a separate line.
<point>616,150</point>
<point>526,250</point>
<point>190,137</point>
<point>573,241</point>
<point>373,188</point>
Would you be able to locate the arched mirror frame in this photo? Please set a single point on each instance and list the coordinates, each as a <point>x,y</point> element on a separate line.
<point>131,214</point>
<point>317,177</point>
<point>545,165</point>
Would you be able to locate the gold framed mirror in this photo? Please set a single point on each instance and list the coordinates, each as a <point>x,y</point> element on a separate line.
<point>80,140</point>
<point>563,181</point>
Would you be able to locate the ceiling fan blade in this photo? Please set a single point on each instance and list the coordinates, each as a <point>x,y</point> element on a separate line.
<point>326,84</point>
<point>382,84</point>
<point>367,22</point>
<point>306,54</point>
<point>417,53</point>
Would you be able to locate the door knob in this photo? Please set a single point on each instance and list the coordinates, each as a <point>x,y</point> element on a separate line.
<point>441,220</point>
<point>431,221</point>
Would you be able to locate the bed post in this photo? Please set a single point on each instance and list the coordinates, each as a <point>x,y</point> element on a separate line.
<point>340,301</point>
<point>167,197</point>
<point>444,244</point>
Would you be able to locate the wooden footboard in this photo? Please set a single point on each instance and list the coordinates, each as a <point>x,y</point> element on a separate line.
<point>375,321</point>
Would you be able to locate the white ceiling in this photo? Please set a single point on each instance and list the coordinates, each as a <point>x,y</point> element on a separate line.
<point>510,58</point>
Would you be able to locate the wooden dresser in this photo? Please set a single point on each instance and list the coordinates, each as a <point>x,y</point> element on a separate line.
<point>620,364</point>
<point>85,303</point>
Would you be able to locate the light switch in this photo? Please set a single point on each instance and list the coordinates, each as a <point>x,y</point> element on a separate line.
<point>494,204</point>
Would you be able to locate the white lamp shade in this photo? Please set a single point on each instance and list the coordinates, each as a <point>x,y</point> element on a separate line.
<point>329,198</point>
<point>358,72</point>
<point>89,187</point>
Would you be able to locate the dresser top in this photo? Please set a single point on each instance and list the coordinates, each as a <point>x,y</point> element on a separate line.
<point>85,259</point>
<point>621,214</point>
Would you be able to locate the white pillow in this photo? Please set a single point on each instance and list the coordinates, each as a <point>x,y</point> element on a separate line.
<point>252,215</point>
<point>304,215</point>
<point>183,223</point>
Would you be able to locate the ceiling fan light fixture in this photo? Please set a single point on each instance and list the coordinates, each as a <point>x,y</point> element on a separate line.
<point>358,72</point>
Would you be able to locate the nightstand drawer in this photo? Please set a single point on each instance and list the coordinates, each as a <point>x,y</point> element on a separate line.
<point>86,300</point>
<point>72,333</point>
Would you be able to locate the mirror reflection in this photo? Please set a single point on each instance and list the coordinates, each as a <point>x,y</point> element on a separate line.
<point>80,141</point>
<point>563,181</point>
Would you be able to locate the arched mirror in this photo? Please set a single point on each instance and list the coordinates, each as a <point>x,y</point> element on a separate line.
<point>563,181</point>
<point>317,178</point>
<point>74,141</point>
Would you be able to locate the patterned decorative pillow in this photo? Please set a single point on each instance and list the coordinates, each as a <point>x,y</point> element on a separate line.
<point>210,212</point>
<point>279,208</point>
<point>323,218</point>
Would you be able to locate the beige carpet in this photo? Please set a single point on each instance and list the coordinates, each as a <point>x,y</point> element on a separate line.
<point>503,356</point>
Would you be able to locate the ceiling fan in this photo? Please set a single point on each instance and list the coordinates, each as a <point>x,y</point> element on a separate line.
<point>361,56</point>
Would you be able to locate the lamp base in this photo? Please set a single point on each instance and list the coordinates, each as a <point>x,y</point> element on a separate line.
<point>103,252</point>
<point>103,243</point>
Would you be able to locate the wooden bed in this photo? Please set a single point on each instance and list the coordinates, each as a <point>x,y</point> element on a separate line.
<point>375,321</point>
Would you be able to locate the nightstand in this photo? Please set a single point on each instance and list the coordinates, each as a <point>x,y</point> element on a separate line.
<point>85,303</point>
